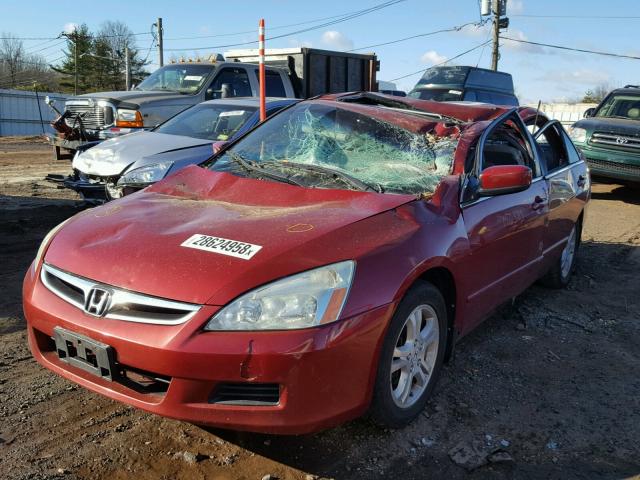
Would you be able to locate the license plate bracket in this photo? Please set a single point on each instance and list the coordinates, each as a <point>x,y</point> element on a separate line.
<point>82,352</point>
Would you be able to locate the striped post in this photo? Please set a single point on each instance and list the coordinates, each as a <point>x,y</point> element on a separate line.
<point>263,105</point>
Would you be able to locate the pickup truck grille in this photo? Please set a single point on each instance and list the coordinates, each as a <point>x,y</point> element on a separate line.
<point>94,115</point>
<point>614,166</point>
<point>625,142</point>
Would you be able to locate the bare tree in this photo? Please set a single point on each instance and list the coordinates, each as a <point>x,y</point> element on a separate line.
<point>597,93</point>
<point>11,56</point>
<point>19,69</point>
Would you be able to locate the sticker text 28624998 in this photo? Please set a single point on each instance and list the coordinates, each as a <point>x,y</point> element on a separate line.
<point>224,246</point>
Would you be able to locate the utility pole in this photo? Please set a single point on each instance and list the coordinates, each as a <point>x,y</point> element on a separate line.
<point>127,69</point>
<point>160,46</point>
<point>495,54</point>
<point>500,21</point>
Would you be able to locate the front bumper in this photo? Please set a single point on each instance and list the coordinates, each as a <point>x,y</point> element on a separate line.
<point>324,375</point>
<point>612,164</point>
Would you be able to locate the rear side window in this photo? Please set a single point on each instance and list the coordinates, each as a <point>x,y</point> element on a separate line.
<point>552,148</point>
<point>274,85</point>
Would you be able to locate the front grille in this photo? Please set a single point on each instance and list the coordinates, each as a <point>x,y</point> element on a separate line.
<point>122,304</point>
<point>614,166</point>
<point>93,115</point>
<point>624,142</point>
<point>249,394</point>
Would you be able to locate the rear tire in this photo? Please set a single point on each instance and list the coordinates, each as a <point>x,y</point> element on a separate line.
<point>411,357</point>
<point>560,273</point>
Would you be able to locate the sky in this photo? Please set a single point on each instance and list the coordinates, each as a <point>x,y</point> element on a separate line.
<point>539,73</point>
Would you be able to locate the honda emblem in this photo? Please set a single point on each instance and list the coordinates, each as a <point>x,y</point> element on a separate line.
<point>96,303</point>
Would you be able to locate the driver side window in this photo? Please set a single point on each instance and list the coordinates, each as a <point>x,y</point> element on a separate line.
<point>234,81</point>
<point>507,145</point>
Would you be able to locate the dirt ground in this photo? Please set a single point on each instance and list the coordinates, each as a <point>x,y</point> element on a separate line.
<point>547,388</point>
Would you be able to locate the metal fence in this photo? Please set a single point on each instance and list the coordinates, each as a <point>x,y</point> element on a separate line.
<point>20,112</point>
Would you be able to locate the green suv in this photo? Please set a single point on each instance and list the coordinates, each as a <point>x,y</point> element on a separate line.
<point>609,136</point>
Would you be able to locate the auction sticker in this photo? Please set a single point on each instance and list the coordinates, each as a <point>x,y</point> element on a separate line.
<point>223,246</point>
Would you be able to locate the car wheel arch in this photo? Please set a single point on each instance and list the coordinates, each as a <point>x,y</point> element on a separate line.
<point>443,278</point>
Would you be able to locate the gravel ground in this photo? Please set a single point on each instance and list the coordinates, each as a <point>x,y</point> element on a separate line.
<point>548,387</point>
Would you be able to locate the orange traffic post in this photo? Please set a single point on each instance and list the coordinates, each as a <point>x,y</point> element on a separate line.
<point>263,105</point>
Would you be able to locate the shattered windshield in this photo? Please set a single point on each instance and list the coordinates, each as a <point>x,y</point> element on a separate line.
<point>324,146</point>
<point>181,77</point>
<point>208,121</point>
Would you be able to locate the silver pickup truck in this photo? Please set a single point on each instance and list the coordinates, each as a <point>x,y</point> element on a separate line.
<point>293,73</point>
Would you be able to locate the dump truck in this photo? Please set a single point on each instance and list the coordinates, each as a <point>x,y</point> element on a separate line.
<point>292,72</point>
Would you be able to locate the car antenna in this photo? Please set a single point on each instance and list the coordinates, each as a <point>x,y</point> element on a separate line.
<point>535,122</point>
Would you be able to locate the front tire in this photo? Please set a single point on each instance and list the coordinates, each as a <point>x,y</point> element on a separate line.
<point>560,273</point>
<point>411,357</point>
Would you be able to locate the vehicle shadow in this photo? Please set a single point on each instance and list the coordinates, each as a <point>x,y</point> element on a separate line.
<point>499,384</point>
<point>623,193</point>
<point>24,222</point>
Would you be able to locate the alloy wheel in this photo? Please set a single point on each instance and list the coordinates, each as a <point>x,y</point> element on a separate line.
<point>414,356</point>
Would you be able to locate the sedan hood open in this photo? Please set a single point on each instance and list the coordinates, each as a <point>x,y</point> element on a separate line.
<point>112,156</point>
<point>135,242</point>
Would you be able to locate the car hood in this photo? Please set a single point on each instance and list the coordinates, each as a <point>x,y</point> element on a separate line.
<point>620,126</point>
<point>135,242</point>
<point>132,97</point>
<point>113,156</point>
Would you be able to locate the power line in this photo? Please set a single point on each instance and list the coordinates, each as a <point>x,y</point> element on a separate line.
<point>452,29</point>
<point>441,63</point>
<point>572,49</point>
<point>594,17</point>
<point>304,30</point>
<point>279,27</point>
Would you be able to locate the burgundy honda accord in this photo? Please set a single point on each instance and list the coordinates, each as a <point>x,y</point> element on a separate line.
<point>321,266</point>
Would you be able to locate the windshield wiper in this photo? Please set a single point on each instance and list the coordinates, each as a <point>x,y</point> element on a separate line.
<point>345,177</point>
<point>251,166</point>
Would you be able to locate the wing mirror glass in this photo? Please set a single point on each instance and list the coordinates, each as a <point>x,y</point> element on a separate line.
<point>501,179</point>
<point>589,112</point>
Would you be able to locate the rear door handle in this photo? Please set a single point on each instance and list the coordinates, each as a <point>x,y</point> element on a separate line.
<point>581,181</point>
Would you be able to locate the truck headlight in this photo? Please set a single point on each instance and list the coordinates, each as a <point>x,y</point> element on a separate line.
<point>145,175</point>
<point>128,118</point>
<point>307,299</point>
<point>577,134</point>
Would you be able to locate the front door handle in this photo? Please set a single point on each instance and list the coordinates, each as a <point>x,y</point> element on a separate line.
<point>538,202</point>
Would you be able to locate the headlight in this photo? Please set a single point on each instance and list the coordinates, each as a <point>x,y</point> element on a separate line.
<point>46,241</point>
<point>145,175</point>
<point>307,299</point>
<point>128,118</point>
<point>578,134</point>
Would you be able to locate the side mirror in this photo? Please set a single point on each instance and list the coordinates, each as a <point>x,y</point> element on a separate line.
<point>589,112</point>
<point>502,179</point>
<point>219,146</point>
<point>226,91</point>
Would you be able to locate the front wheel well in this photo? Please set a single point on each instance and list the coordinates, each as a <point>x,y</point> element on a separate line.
<point>443,280</point>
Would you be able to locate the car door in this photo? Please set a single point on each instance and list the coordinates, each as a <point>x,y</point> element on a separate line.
<point>505,232</point>
<point>566,179</point>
